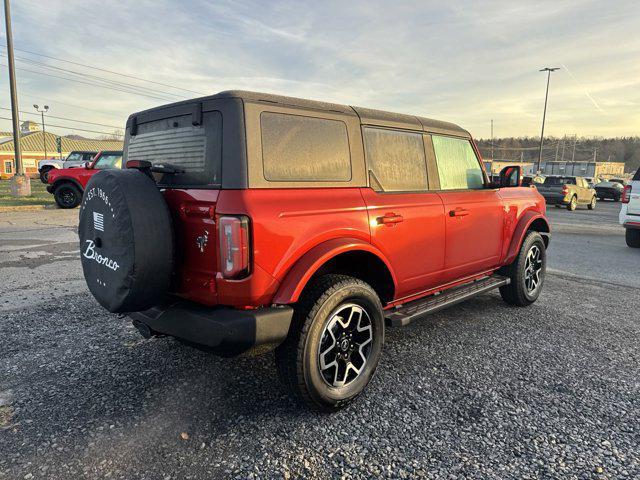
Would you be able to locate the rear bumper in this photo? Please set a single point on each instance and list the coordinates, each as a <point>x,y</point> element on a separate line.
<point>222,330</point>
<point>608,193</point>
<point>554,199</point>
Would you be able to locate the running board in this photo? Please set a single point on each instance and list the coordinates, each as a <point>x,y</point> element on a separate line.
<point>405,314</point>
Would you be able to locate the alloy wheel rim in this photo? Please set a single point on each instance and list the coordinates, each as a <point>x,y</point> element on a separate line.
<point>533,269</point>
<point>345,345</point>
<point>68,197</point>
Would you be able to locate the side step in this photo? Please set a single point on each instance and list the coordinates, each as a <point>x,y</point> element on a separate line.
<point>405,314</point>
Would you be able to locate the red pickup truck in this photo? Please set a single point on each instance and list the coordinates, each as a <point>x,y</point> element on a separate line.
<point>68,184</point>
<point>247,222</point>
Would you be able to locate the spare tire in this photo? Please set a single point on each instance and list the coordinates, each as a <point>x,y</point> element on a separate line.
<point>126,240</point>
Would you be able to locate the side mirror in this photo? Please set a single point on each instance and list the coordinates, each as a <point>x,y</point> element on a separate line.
<point>87,165</point>
<point>510,176</point>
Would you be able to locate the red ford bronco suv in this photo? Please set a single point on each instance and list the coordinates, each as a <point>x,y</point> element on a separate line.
<point>67,184</point>
<point>246,222</point>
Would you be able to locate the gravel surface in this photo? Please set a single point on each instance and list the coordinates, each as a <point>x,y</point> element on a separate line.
<point>481,390</point>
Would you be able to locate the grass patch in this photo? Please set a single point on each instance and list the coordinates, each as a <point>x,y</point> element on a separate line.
<point>39,195</point>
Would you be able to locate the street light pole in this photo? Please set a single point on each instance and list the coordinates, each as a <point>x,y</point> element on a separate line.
<point>544,113</point>
<point>20,184</point>
<point>44,133</point>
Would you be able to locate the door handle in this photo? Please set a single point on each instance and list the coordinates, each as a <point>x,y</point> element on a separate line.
<point>389,219</point>
<point>458,212</point>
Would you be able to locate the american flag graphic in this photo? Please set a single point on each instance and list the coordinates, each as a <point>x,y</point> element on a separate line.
<point>98,221</point>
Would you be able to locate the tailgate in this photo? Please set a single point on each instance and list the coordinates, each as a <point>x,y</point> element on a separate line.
<point>633,208</point>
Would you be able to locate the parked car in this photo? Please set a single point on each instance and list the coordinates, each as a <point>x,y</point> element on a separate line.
<point>532,180</point>
<point>68,184</point>
<point>609,190</point>
<point>569,191</point>
<point>74,159</point>
<point>630,211</point>
<point>247,222</point>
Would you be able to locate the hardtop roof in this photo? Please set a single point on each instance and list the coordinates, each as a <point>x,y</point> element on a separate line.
<point>367,116</point>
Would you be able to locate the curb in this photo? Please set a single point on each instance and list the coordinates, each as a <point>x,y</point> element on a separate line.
<point>27,208</point>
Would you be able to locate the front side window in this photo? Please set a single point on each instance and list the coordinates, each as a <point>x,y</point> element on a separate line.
<point>396,159</point>
<point>74,157</point>
<point>458,166</point>
<point>304,149</point>
<point>109,160</point>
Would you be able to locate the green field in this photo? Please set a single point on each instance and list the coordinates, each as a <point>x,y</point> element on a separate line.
<point>39,195</point>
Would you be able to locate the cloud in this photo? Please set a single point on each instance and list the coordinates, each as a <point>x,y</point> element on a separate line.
<point>465,61</point>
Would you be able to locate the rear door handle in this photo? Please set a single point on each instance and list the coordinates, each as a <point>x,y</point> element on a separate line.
<point>389,219</point>
<point>458,212</point>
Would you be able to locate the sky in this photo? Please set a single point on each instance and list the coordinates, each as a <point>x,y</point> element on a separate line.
<point>461,61</point>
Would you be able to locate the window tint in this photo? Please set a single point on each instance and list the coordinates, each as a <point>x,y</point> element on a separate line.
<point>194,150</point>
<point>458,166</point>
<point>396,159</point>
<point>636,177</point>
<point>304,149</point>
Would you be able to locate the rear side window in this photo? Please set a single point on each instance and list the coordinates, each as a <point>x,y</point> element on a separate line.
<point>636,177</point>
<point>194,150</point>
<point>458,166</point>
<point>296,148</point>
<point>396,159</point>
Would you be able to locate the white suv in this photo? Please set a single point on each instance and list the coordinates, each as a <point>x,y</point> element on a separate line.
<point>630,211</point>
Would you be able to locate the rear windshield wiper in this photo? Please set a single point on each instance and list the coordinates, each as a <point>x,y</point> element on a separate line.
<point>164,168</point>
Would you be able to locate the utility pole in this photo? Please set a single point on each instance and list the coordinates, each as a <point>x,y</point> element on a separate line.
<point>544,113</point>
<point>563,142</point>
<point>595,154</point>
<point>557,148</point>
<point>492,140</point>
<point>575,142</point>
<point>20,183</point>
<point>44,133</point>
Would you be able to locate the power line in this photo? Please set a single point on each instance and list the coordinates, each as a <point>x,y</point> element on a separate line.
<point>102,79</point>
<point>110,71</point>
<point>87,83</point>
<point>65,118</point>
<point>70,128</point>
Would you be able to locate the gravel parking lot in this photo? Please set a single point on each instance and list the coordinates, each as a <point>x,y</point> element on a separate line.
<point>478,391</point>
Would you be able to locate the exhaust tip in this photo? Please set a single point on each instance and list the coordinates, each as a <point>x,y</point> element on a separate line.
<point>143,328</point>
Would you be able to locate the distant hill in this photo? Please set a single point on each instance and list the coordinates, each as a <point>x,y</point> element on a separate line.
<point>621,149</point>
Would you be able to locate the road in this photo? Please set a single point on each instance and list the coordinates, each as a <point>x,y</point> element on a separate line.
<point>478,391</point>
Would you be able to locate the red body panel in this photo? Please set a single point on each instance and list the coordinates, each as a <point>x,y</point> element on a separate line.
<point>294,231</point>
<point>79,175</point>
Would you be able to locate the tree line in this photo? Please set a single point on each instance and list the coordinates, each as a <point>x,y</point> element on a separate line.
<point>570,148</point>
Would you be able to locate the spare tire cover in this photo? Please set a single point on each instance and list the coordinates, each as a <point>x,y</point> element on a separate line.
<point>126,240</point>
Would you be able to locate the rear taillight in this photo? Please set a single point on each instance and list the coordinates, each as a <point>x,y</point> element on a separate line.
<point>565,190</point>
<point>626,194</point>
<point>233,233</point>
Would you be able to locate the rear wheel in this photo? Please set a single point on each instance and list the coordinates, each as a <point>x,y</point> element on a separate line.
<point>44,174</point>
<point>572,204</point>
<point>67,195</point>
<point>334,344</point>
<point>632,236</point>
<point>592,204</point>
<point>526,273</point>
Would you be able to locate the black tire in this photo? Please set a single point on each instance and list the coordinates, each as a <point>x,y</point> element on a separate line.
<point>126,240</point>
<point>44,174</point>
<point>67,195</point>
<point>632,236</point>
<point>518,292</point>
<point>573,204</point>
<point>592,204</point>
<point>298,358</point>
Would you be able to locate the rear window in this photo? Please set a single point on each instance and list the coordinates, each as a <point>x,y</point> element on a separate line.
<point>559,181</point>
<point>194,150</point>
<point>296,148</point>
<point>396,159</point>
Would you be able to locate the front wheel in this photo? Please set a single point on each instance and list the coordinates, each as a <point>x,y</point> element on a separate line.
<point>572,204</point>
<point>334,344</point>
<point>592,204</point>
<point>67,195</point>
<point>632,236</point>
<point>526,273</point>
